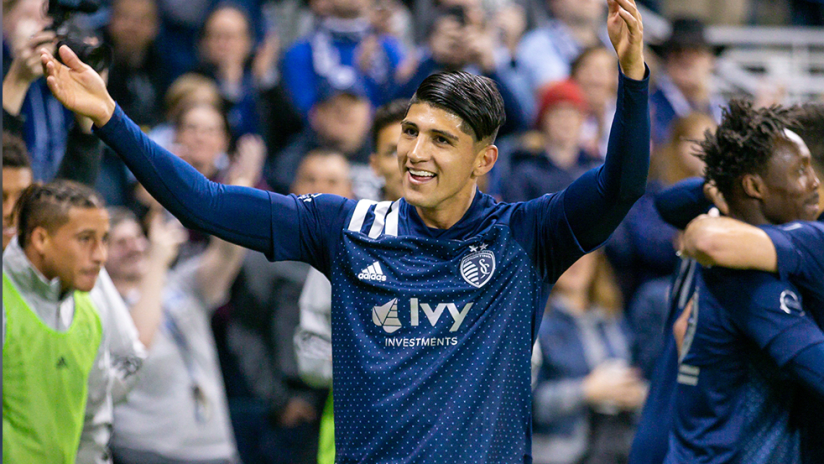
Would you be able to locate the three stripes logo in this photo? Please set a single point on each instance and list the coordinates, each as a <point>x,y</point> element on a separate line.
<point>386,316</point>
<point>373,272</point>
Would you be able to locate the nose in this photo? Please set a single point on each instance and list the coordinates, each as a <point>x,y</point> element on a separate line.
<point>100,252</point>
<point>417,152</point>
<point>816,182</point>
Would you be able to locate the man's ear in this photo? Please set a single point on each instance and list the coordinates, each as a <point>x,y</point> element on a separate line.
<point>485,160</point>
<point>753,186</point>
<point>39,240</point>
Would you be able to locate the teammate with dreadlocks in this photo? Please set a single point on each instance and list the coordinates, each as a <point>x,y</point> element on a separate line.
<point>731,403</point>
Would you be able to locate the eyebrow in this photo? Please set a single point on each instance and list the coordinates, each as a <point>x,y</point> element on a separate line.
<point>440,132</point>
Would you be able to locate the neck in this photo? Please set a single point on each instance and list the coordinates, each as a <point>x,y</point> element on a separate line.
<point>583,33</point>
<point>39,263</point>
<point>576,302</point>
<point>447,213</point>
<point>133,58</point>
<point>748,211</point>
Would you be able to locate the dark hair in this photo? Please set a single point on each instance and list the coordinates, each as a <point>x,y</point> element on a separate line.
<point>387,115</point>
<point>15,154</point>
<point>743,143</point>
<point>475,99</point>
<point>810,128</point>
<point>48,206</point>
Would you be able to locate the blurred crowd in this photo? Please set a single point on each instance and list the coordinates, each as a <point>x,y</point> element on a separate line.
<point>226,356</point>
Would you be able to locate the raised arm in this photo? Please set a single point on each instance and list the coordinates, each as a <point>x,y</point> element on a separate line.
<point>597,202</point>
<point>727,242</point>
<point>236,214</point>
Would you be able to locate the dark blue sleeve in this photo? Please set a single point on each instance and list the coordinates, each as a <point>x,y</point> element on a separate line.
<point>598,201</point>
<point>799,247</point>
<point>767,310</point>
<point>806,366</point>
<point>282,227</point>
<point>682,202</point>
<point>557,229</point>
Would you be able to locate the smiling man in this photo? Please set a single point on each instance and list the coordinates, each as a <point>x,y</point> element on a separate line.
<point>437,297</point>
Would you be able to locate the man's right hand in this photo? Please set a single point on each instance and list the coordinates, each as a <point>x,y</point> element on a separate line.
<point>77,86</point>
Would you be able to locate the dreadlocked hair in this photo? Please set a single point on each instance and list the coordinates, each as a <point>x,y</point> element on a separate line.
<point>743,143</point>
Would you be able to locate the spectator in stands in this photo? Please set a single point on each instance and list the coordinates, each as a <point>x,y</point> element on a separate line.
<point>459,40</point>
<point>562,113</point>
<point>16,177</point>
<point>586,392</point>
<point>546,54</point>
<point>177,412</point>
<point>313,339</point>
<point>685,85</point>
<point>186,91</point>
<point>596,71</point>
<point>29,109</point>
<point>226,55</point>
<point>53,344</point>
<point>264,318</point>
<point>345,50</point>
<point>642,249</point>
<point>339,121</point>
<point>137,76</point>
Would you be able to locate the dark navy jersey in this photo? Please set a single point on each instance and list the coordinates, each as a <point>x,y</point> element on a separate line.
<point>733,403</point>
<point>651,441</point>
<point>432,330</point>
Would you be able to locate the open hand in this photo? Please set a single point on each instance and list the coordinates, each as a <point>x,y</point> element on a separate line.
<point>77,86</point>
<point>626,32</point>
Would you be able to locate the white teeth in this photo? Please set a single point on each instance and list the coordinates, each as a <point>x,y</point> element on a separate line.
<point>415,172</point>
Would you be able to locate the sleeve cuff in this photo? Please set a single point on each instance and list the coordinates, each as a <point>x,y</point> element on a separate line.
<point>785,252</point>
<point>633,83</point>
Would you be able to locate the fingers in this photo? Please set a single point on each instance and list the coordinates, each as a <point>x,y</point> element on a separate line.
<point>71,60</point>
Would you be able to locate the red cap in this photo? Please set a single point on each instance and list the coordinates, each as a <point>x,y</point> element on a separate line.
<point>566,91</point>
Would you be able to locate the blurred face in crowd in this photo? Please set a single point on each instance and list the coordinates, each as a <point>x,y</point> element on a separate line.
<point>134,25</point>
<point>578,12</point>
<point>790,185</point>
<point>578,277</point>
<point>439,162</point>
<point>75,251</point>
<point>226,38</point>
<point>597,76</point>
<point>561,124</point>
<point>15,180</point>
<point>384,161</point>
<point>447,42</point>
<point>690,69</point>
<point>127,251</point>
<point>201,137</point>
<point>349,9</point>
<point>686,147</point>
<point>323,173</point>
<point>24,19</point>
<point>342,121</point>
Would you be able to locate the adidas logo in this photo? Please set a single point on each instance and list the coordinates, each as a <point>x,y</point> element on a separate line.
<point>386,315</point>
<point>61,363</point>
<point>373,272</point>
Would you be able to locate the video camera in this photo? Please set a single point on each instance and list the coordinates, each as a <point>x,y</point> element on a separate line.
<point>70,31</point>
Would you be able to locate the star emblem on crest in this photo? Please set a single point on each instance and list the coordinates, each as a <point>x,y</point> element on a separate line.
<point>484,246</point>
<point>473,249</point>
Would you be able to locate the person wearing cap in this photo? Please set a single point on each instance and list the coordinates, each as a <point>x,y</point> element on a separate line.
<point>340,121</point>
<point>561,115</point>
<point>685,86</point>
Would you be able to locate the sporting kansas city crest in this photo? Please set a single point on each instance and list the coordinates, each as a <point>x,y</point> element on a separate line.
<point>478,266</point>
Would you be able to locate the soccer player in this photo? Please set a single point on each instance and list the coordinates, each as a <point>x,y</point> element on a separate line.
<point>437,296</point>
<point>795,251</point>
<point>731,402</point>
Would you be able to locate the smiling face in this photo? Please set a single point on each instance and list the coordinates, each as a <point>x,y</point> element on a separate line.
<point>440,163</point>
<point>791,185</point>
<point>75,251</point>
